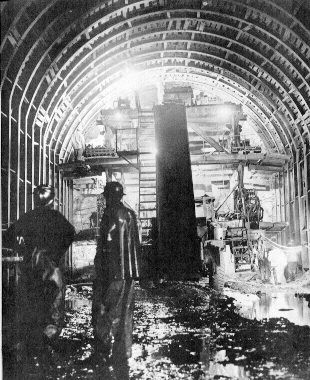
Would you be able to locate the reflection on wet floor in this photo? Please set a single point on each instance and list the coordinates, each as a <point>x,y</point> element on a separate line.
<point>178,337</point>
<point>166,348</point>
<point>276,305</point>
<point>215,366</point>
<point>184,331</point>
<point>77,303</point>
<point>193,350</point>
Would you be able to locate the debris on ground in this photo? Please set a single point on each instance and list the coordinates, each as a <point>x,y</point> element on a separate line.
<point>181,331</point>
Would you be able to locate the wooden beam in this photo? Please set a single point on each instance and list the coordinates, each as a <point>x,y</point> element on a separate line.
<point>258,159</point>
<point>208,139</point>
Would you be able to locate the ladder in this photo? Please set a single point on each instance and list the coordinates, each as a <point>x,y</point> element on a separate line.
<point>147,172</point>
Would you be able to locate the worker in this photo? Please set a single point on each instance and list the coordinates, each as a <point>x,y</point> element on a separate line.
<point>42,237</point>
<point>78,143</point>
<point>209,213</point>
<point>116,267</point>
<point>208,207</point>
<point>93,219</point>
<point>109,138</point>
<point>278,263</point>
<point>292,254</point>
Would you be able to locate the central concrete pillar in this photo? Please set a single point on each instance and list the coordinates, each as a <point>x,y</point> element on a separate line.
<point>178,247</point>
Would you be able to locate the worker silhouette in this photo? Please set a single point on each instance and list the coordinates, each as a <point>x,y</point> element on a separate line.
<point>78,143</point>
<point>116,265</point>
<point>42,237</point>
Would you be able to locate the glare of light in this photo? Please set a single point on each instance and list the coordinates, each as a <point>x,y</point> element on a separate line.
<point>132,80</point>
<point>118,115</point>
<point>224,113</point>
<point>152,150</point>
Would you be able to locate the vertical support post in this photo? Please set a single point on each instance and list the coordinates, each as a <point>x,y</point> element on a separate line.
<point>32,163</point>
<point>286,199</point>
<point>296,201</point>
<point>44,178</point>
<point>291,201</point>
<point>53,168</point>
<point>40,157</point>
<point>58,192</point>
<point>276,198</point>
<point>307,193</point>
<point>9,165</point>
<point>26,168</point>
<point>301,176</point>
<point>178,245</point>
<point>65,199</point>
<point>71,220</point>
<point>305,206</point>
<point>63,185</point>
<point>18,170</point>
<point>282,206</point>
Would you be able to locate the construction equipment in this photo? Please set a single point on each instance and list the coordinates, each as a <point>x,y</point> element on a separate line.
<point>230,244</point>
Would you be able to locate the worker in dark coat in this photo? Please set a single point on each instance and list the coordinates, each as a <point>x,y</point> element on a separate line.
<point>116,265</point>
<point>42,237</point>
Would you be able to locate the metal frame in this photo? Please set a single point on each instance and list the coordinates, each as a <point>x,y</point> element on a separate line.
<point>52,82</point>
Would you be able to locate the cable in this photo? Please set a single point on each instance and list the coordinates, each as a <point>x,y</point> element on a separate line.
<point>289,249</point>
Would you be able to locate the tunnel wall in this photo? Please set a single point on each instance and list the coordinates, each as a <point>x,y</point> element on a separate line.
<point>294,203</point>
<point>58,59</point>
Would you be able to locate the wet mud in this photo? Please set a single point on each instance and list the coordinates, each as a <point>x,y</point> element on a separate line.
<point>181,331</point>
<point>202,336</point>
<point>294,307</point>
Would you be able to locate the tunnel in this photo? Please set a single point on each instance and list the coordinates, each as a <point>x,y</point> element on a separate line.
<point>239,68</point>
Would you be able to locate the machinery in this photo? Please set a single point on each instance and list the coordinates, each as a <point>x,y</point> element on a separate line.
<point>228,244</point>
<point>247,207</point>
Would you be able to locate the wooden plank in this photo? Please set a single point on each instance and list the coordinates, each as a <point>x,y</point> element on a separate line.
<point>257,160</point>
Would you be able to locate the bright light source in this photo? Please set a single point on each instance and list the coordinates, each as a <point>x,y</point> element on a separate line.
<point>132,80</point>
<point>224,113</point>
<point>152,150</point>
<point>118,115</point>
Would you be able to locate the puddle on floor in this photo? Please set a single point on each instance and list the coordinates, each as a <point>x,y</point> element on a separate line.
<point>78,297</point>
<point>77,303</point>
<point>177,338</point>
<point>189,350</point>
<point>185,349</point>
<point>276,305</point>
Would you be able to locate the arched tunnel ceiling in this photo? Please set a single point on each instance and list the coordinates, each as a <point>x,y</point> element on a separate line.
<point>63,60</point>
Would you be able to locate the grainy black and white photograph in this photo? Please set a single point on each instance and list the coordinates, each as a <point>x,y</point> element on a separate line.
<point>155,189</point>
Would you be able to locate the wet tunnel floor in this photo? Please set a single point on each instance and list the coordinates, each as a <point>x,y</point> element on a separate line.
<point>183,331</point>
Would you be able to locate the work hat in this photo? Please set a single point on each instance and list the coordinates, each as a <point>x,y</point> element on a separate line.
<point>45,194</point>
<point>208,197</point>
<point>113,188</point>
